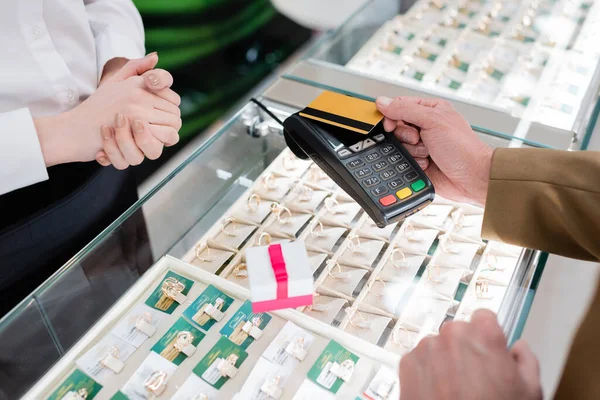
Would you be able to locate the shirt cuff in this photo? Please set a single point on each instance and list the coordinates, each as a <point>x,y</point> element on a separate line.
<point>112,44</point>
<point>21,159</point>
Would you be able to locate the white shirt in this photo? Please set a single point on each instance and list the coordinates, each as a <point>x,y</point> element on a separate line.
<point>52,53</point>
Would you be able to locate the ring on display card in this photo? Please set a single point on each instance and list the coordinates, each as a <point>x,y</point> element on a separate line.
<point>172,289</point>
<point>269,182</point>
<point>354,244</point>
<point>229,223</point>
<point>332,205</point>
<point>339,274</point>
<point>226,366</point>
<point>344,370</point>
<point>362,323</point>
<point>199,249</point>
<point>271,387</point>
<point>314,232</point>
<point>266,236</point>
<point>411,234</point>
<point>253,203</point>
<point>183,343</point>
<point>251,328</point>
<point>434,274</point>
<point>482,290</point>
<point>214,310</point>
<point>448,244</point>
<point>408,334</point>
<point>402,263</point>
<point>144,324</point>
<point>370,289</point>
<point>284,215</point>
<point>315,306</point>
<point>290,162</point>
<point>317,174</point>
<point>296,348</point>
<point>492,262</point>
<point>241,271</point>
<point>304,193</point>
<point>81,394</point>
<point>111,360</point>
<point>155,383</point>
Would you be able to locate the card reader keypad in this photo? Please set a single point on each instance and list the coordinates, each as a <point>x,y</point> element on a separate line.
<point>382,171</point>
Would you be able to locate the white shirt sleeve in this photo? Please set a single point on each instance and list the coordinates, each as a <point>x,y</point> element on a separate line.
<point>22,159</point>
<point>118,30</point>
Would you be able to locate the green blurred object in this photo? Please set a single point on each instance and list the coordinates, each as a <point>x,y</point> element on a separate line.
<point>217,51</point>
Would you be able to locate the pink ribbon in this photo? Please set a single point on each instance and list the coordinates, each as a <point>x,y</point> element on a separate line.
<point>278,265</point>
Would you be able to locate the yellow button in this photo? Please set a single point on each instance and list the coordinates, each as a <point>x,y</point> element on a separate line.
<point>404,193</point>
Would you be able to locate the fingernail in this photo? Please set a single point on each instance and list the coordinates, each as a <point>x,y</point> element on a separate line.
<point>154,53</point>
<point>384,101</point>
<point>120,120</point>
<point>153,78</point>
<point>422,163</point>
<point>102,160</point>
<point>138,126</point>
<point>106,132</point>
<point>421,151</point>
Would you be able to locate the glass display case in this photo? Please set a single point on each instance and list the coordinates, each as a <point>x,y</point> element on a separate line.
<point>526,68</point>
<point>377,291</point>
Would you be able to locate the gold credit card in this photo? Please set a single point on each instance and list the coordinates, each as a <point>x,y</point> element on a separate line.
<point>343,111</point>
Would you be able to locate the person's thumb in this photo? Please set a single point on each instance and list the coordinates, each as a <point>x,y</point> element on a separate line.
<point>528,366</point>
<point>136,67</point>
<point>408,110</point>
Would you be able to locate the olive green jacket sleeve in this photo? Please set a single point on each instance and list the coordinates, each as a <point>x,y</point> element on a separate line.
<point>550,200</point>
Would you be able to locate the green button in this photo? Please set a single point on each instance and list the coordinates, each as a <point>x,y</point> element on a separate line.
<point>418,185</point>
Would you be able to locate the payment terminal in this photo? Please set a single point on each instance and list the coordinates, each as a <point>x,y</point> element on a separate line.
<point>345,137</point>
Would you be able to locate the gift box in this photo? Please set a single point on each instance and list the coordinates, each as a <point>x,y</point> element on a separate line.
<point>279,276</point>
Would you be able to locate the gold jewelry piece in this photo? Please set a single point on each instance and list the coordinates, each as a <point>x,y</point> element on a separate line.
<point>482,289</point>
<point>112,352</point>
<point>314,232</point>
<point>362,324</point>
<point>354,244</point>
<point>316,173</point>
<point>155,382</point>
<point>144,324</point>
<point>436,276</point>
<point>304,192</point>
<point>172,288</point>
<point>267,238</point>
<point>378,279</point>
<point>289,162</point>
<point>184,338</point>
<point>269,182</point>
<point>411,233</point>
<point>83,393</point>
<point>339,274</point>
<point>233,232</point>
<point>403,262</point>
<point>201,396</point>
<point>241,271</point>
<point>225,365</point>
<point>199,248</point>
<point>395,337</point>
<point>253,203</point>
<point>332,205</point>
<point>448,244</point>
<point>459,219</point>
<point>281,211</point>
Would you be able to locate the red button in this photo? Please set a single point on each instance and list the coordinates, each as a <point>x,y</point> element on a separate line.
<point>387,200</point>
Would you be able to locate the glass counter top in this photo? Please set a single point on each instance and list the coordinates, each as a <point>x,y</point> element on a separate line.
<point>170,219</point>
<point>533,80</point>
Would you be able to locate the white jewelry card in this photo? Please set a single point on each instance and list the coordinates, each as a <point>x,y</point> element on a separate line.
<point>310,391</point>
<point>470,226</point>
<point>440,282</point>
<point>385,385</point>
<point>386,297</point>
<point>362,255</point>
<point>266,381</point>
<point>256,212</point>
<point>212,259</point>
<point>403,340</point>
<point>193,388</point>
<point>504,249</point>
<point>272,187</point>
<point>106,358</point>
<point>345,279</point>
<point>325,240</point>
<point>289,226</point>
<point>402,270</point>
<point>370,327</point>
<point>285,350</point>
<point>416,240</point>
<point>486,296</point>
<point>341,214</point>
<point>306,200</point>
<point>315,260</point>
<point>138,325</point>
<point>235,237</point>
<point>290,165</point>
<point>425,313</point>
<point>135,388</point>
<point>433,215</point>
<point>325,308</point>
<point>455,255</point>
<point>371,231</point>
<point>497,269</point>
<point>317,177</point>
